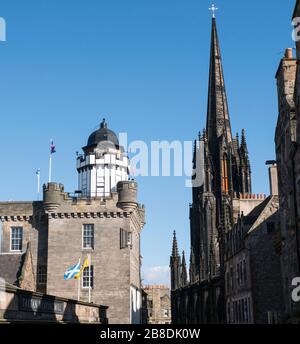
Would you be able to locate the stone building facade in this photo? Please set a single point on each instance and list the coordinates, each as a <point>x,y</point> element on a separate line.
<point>158,304</point>
<point>104,220</point>
<point>253,271</point>
<point>287,140</point>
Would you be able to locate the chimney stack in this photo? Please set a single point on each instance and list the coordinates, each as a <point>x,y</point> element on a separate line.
<point>273,178</point>
<point>288,53</point>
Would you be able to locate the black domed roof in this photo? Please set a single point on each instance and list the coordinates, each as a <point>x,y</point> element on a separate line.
<point>103,134</point>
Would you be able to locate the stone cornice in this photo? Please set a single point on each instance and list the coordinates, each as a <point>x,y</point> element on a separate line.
<point>17,218</point>
<point>87,215</point>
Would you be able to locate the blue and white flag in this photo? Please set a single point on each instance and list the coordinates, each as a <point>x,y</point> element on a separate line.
<point>72,271</point>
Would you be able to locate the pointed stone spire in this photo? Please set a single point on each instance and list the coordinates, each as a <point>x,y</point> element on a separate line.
<point>245,168</point>
<point>192,266</point>
<point>244,142</point>
<point>218,121</point>
<point>175,252</point>
<point>175,265</point>
<point>183,271</point>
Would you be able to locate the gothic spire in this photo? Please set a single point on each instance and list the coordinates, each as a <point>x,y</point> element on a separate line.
<point>175,252</point>
<point>218,121</point>
<point>245,168</point>
<point>244,142</point>
<point>175,265</point>
<point>183,271</point>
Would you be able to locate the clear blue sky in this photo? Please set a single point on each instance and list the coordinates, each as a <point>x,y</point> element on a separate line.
<point>144,66</point>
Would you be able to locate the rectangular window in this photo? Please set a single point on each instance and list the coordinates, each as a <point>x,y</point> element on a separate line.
<point>235,312</point>
<point>249,310</point>
<point>125,239</point>
<point>243,311</point>
<point>16,238</point>
<point>246,311</point>
<point>88,277</point>
<point>88,236</point>
<point>241,274</point>
<point>245,271</point>
<point>232,277</point>
<point>41,274</point>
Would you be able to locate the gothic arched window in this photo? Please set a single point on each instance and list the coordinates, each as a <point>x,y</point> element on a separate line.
<point>224,174</point>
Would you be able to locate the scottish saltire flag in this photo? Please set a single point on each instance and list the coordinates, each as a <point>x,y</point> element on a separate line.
<point>85,264</point>
<point>72,271</point>
<point>52,147</point>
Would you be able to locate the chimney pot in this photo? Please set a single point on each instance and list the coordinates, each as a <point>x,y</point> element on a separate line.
<point>288,53</point>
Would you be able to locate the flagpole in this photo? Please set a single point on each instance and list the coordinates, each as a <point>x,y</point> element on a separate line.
<point>50,167</point>
<point>78,297</point>
<point>90,279</point>
<point>78,284</point>
<point>38,184</point>
<point>52,150</point>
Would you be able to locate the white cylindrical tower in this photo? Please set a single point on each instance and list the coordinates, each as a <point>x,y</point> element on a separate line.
<point>103,164</point>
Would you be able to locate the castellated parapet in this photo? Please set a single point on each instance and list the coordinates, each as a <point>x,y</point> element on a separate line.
<point>53,196</point>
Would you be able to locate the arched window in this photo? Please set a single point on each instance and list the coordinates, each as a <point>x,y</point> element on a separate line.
<point>224,174</point>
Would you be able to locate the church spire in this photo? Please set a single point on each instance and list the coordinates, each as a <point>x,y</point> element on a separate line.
<point>245,168</point>
<point>244,142</point>
<point>175,265</point>
<point>183,271</point>
<point>218,121</point>
<point>175,252</point>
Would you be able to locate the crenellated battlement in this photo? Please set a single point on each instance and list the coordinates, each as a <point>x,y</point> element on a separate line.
<point>250,196</point>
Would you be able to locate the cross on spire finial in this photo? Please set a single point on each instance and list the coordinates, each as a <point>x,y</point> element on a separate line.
<point>213,9</point>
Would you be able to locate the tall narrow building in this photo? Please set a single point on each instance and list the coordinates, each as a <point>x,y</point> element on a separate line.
<point>221,191</point>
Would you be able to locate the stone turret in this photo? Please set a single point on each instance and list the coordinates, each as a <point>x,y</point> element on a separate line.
<point>53,195</point>
<point>127,195</point>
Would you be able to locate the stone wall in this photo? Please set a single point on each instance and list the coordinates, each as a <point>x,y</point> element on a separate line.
<point>288,162</point>
<point>17,305</point>
<point>266,283</point>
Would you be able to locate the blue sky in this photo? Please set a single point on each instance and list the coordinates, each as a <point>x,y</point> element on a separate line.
<point>144,66</point>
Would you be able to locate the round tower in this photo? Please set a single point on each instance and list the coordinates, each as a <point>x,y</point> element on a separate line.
<point>52,196</point>
<point>103,164</point>
<point>127,195</point>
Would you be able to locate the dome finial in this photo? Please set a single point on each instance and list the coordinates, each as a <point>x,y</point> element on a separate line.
<point>103,123</point>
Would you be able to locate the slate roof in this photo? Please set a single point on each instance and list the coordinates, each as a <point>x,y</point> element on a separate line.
<point>256,212</point>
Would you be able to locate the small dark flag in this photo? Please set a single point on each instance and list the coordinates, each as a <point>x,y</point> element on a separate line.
<point>52,147</point>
